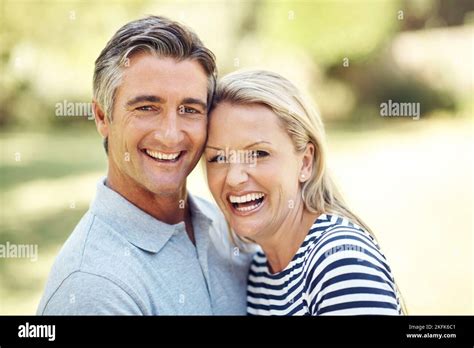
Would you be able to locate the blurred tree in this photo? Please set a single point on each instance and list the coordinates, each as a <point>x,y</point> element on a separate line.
<point>422,14</point>
<point>47,52</point>
<point>330,30</point>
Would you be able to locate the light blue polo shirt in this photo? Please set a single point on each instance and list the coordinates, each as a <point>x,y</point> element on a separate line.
<point>120,260</point>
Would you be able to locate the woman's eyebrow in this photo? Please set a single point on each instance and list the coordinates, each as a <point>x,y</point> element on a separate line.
<point>257,143</point>
<point>246,147</point>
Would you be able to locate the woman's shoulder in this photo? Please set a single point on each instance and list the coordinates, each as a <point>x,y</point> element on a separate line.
<point>335,241</point>
<point>346,272</point>
<point>333,230</point>
<point>328,222</point>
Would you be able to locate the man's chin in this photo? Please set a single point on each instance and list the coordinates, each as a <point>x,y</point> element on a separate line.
<point>166,189</point>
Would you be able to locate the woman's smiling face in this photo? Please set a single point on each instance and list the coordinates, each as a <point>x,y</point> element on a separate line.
<point>253,169</point>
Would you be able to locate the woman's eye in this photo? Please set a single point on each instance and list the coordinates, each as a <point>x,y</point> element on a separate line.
<point>217,159</point>
<point>259,154</point>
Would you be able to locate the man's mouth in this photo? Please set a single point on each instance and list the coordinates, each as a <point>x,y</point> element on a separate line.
<point>247,203</point>
<point>170,157</point>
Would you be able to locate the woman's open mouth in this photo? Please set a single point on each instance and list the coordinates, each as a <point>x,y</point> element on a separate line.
<point>163,157</point>
<point>247,203</point>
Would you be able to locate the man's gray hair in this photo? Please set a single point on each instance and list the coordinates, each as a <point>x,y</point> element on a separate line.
<point>157,35</point>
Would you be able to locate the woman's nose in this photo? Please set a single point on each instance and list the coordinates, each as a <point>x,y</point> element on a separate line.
<point>236,174</point>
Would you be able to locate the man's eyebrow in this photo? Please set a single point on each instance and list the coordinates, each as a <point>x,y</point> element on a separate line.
<point>195,101</point>
<point>145,98</point>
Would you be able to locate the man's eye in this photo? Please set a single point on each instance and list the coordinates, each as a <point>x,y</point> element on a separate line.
<point>188,110</point>
<point>145,108</point>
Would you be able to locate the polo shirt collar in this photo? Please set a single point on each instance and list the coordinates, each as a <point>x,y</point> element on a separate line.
<point>138,227</point>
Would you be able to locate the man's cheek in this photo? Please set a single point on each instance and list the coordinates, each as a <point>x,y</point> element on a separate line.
<point>202,138</point>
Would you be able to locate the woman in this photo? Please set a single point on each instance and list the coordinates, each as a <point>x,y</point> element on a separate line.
<point>266,168</point>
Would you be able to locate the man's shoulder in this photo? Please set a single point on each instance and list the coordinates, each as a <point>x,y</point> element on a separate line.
<point>209,209</point>
<point>225,242</point>
<point>89,294</point>
<point>89,260</point>
<point>219,230</point>
<point>71,253</point>
<point>91,235</point>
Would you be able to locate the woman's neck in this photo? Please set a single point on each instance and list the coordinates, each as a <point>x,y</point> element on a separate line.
<point>281,246</point>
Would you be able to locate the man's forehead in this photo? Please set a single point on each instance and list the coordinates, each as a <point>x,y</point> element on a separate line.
<point>152,69</point>
<point>163,78</point>
<point>144,61</point>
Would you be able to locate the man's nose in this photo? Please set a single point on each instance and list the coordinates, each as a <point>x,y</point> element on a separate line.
<point>169,132</point>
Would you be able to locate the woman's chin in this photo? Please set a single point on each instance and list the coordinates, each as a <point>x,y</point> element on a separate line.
<point>247,230</point>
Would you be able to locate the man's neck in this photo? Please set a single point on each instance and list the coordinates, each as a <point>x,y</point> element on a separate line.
<point>168,208</point>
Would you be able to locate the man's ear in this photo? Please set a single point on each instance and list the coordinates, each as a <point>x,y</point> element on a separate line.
<point>307,165</point>
<point>101,120</point>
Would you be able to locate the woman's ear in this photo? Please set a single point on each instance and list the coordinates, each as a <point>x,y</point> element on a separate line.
<point>101,120</point>
<point>307,165</point>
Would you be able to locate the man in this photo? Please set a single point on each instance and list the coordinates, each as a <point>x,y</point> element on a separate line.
<point>146,246</point>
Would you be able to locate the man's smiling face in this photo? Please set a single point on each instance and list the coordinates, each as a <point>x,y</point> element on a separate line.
<point>159,123</point>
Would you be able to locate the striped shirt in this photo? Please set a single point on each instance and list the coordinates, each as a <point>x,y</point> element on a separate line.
<point>338,270</point>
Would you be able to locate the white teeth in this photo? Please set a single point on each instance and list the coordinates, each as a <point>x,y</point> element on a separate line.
<point>246,198</point>
<point>162,156</point>
<point>252,207</point>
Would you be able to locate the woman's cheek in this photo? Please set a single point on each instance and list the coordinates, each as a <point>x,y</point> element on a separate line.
<point>216,179</point>
<point>265,172</point>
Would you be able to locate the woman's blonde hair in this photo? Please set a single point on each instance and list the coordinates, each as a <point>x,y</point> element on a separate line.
<point>303,124</point>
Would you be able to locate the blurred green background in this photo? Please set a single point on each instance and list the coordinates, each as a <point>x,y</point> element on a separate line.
<point>412,181</point>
